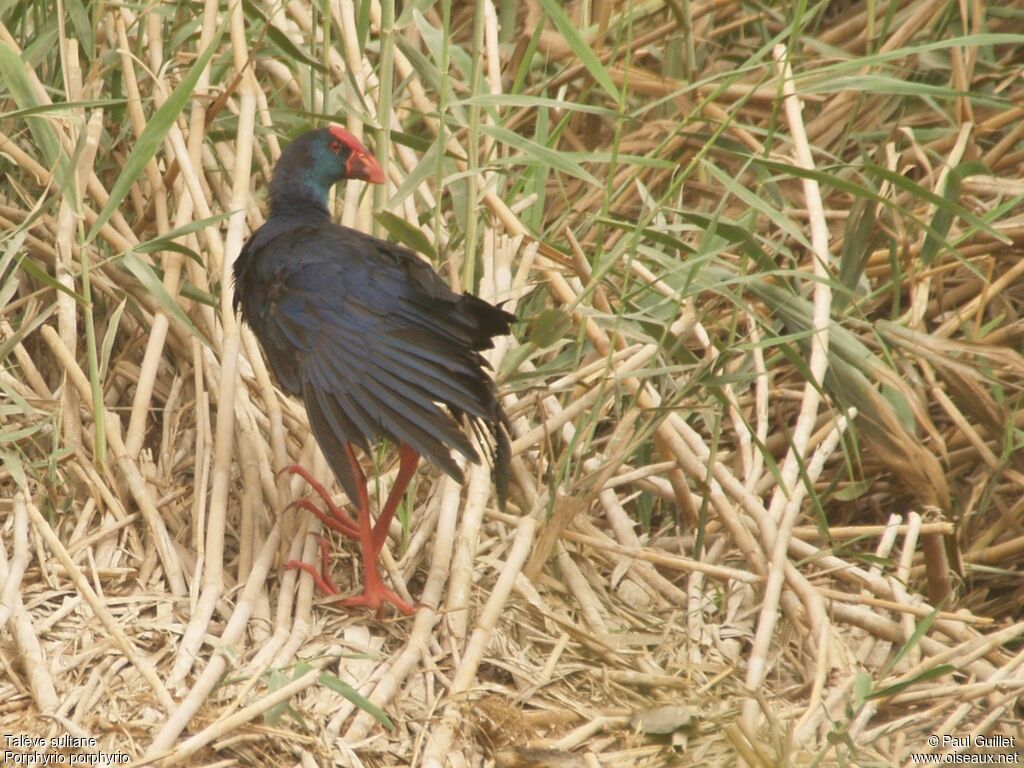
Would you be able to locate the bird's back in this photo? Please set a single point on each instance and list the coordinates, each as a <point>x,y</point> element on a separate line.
<point>373,341</point>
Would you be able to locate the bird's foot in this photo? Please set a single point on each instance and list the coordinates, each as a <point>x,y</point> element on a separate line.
<point>321,578</point>
<point>375,594</point>
<point>332,521</point>
<point>374,597</point>
<point>338,520</point>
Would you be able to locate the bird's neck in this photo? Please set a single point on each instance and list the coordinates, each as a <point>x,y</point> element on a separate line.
<point>305,194</point>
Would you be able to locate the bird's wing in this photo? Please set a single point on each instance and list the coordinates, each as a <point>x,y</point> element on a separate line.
<point>374,360</point>
<point>477,320</point>
<point>463,325</point>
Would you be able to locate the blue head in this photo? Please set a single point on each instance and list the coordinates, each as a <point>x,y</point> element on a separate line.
<point>316,161</point>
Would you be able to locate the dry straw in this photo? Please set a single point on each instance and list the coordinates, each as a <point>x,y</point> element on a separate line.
<point>767,503</point>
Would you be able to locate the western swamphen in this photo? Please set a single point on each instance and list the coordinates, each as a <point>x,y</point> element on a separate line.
<point>371,339</point>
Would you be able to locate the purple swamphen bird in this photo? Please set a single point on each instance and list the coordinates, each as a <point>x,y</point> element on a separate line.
<point>371,339</point>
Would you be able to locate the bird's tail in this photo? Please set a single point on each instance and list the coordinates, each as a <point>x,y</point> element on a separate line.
<point>501,429</point>
<point>493,435</point>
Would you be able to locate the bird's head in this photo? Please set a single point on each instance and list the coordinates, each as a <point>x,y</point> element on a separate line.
<point>316,161</point>
<point>352,158</point>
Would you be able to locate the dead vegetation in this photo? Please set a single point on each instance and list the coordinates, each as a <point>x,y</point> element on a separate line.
<point>768,480</point>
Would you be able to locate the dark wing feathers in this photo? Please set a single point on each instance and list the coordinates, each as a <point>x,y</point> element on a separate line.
<point>376,345</point>
<point>326,423</point>
<point>435,379</point>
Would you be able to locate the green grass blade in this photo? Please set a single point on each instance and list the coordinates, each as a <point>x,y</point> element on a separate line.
<point>146,275</point>
<point>407,234</point>
<point>13,74</point>
<point>539,155</point>
<point>350,693</point>
<point>153,135</point>
<point>567,29</point>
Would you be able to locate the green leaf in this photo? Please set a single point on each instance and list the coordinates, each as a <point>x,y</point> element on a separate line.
<point>538,154</point>
<point>437,41</point>
<point>898,180</point>
<point>419,6</point>
<point>82,24</point>
<point>860,63</point>
<point>350,693</point>
<point>284,44</point>
<point>423,169</point>
<point>862,685</point>
<point>14,74</point>
<point>522,100</point>
<point>524,64</point>
<point>153,134</point>
<point>407,234</point>
<point>944,214</point>
<point>919,631</point>
<point>275,679</point>
<point>515,357</point>
<point>63,108</point>
<point>18,405</point>
<point>414,142</point>
<point>895,86</point>
<point>26,328</point>
<point>549,326</point>
<point>165,241</point>
<point>929,674</point>
<point>852,491</point>
<point>153,246</point>
<point>12,463</point>
<point>146,275</point>
<point>108,339</point>
<point>860,229</point>
<point>14,435</point>
<point>23,261</point>
<point>567,29</point>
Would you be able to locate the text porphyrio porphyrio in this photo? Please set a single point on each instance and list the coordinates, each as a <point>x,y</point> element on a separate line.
<point>370,338</point>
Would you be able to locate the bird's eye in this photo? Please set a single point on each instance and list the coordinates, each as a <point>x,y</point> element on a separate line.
<point>336,146</point>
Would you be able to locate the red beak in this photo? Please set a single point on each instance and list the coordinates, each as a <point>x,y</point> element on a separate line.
<point>361,164</point>
<point>364,167</point>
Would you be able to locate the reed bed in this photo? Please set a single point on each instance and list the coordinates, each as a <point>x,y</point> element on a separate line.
<point>768,502</point>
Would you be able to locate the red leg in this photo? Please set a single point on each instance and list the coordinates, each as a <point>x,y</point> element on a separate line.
<point>375,594</point>
<point>407,461</point>
<point>345,524</point>
<point>330,521</point>
<point>322,578</point>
